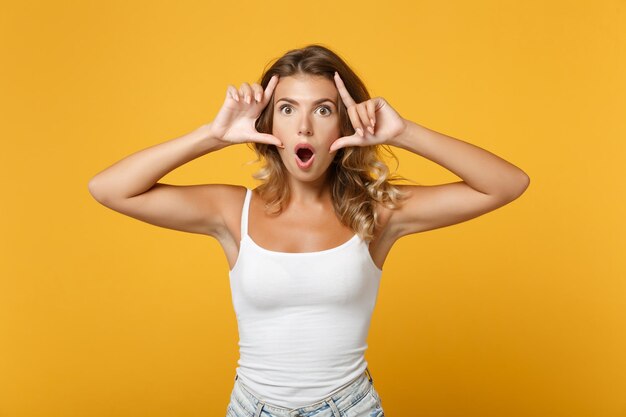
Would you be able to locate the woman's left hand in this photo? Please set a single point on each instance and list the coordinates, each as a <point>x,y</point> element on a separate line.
<point>375,114</point>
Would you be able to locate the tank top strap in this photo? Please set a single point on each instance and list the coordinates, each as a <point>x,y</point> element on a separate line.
<point>244,213</point>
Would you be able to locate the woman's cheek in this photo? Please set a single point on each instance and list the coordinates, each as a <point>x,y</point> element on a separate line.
<point>278,129</point>
<point>332,134</point>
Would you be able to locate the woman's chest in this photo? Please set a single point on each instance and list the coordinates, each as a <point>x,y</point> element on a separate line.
<point>297,231</point>
<point>340,276</point>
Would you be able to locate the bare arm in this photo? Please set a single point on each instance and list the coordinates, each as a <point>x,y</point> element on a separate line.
<point>488,182</point>
<point>139,172</point>
<point>480,169</point>
<point>130,186</point>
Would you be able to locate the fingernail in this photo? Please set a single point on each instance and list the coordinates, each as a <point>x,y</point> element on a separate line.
<point>258,97</point>
<point>247,99</point>
<point>371,129</point>
<point>236,97</point>
<point>360,131</point>
<point>373,122</point>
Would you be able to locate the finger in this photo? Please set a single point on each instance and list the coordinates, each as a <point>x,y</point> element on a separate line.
<point>343,92</point>
<point>355,120</point>
<point>233,92</point>
<point>371,112</point>
<point>364,117</point>
<point>352,140</point>
<point>246,91</point>
<point>268,139</point>
<point>269,90</point>
<point>258,92</point>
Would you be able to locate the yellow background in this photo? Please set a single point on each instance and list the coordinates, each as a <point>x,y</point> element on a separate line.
<point>520,312</point>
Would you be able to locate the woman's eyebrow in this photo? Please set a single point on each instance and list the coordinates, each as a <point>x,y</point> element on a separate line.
<point>290,100</point>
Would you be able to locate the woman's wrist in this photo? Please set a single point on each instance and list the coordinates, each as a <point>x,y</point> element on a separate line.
<point>209,142</point>
<point>402,138</point>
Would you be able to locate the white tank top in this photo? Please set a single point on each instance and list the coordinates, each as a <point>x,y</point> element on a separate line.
<point>303,318</point>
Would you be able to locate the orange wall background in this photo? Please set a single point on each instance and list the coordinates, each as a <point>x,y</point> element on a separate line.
<point>520,312</point>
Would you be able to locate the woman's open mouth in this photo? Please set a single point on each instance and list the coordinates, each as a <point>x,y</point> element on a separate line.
<point>305,154</point>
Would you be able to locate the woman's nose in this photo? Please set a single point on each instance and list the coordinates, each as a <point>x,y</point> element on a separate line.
<point>305,128</point>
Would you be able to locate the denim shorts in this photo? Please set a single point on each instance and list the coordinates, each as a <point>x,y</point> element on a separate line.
<point>356,399</point>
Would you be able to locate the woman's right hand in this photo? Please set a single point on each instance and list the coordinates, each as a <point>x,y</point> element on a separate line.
<point>235,121</point>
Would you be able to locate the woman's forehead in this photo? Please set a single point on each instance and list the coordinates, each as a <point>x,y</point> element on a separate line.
<point>305,88</point>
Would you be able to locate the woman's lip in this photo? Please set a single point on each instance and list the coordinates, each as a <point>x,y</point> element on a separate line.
<point>303,145</point>
<point>304,165</point>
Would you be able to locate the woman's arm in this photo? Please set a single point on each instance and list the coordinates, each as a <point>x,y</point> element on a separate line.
<point>480,169</point>
<point>130,187</point>
<point>488,182</point>
<point>139,172</point>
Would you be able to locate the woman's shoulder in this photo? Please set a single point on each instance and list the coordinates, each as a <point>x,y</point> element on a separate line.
<point>230,199</point>
<point>225,198</point>
<point>233,194</point>
<point>225,190</point>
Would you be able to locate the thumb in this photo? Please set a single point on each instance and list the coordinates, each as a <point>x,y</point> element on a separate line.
<point>269,139</point>
<point>341,143</point>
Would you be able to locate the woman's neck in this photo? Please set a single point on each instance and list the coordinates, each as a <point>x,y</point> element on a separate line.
<point>306,193</point>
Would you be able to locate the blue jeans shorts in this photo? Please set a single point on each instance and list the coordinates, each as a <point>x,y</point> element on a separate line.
<point>356,399</point>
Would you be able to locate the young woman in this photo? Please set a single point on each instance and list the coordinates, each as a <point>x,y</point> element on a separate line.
<point>306,247</point>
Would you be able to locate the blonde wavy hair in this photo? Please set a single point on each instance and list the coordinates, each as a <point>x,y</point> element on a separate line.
<point>358,177</point>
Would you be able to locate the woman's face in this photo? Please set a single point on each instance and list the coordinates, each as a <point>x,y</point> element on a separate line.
<point>305,112</point>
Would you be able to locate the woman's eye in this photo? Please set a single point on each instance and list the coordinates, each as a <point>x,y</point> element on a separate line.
<point>284,106</point>
<point>326,110</point>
